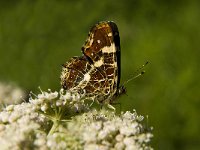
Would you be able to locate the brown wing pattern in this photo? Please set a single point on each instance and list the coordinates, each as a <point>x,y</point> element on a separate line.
<point>98,70</point>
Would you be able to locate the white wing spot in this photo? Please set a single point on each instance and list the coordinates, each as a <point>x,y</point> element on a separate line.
<point>98,41</point>
<point>110,34</point>
<point>109,49</point>
<point>86,77</point>
<point>99,62</point>
<point>91,41</point>
<point>115,64</point>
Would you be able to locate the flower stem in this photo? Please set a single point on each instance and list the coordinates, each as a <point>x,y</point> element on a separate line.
<point>54,127</point>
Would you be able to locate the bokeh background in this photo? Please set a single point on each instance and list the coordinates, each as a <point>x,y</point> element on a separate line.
<point>37,36</point>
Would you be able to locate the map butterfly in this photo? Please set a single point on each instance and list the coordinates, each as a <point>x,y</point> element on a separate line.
<point>97,71</point>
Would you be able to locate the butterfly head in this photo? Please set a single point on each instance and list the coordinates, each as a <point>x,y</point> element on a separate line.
<point>121,90</point>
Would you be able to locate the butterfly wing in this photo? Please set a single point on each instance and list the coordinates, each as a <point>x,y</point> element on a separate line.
<point>102,48</point>
<point>98,70</point>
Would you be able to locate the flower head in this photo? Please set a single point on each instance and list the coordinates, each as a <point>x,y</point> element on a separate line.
<point>59,105</point>
<point>10,93</point>
<point>72,124</point>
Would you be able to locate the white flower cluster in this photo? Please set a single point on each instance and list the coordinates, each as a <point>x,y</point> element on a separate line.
<point>59,106</point>
<point>10,93</point>
<point>103,130</point>
<point>27,125</point>
<point>64,139</point>
<point>19,127</point>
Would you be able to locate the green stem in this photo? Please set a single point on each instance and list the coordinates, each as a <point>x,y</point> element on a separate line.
<point>54,127</point>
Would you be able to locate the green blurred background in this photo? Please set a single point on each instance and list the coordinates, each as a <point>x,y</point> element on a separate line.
<point>37,36</point>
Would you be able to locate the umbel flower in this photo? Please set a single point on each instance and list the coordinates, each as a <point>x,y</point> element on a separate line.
<point>10,93</point>
<point>64,120</point>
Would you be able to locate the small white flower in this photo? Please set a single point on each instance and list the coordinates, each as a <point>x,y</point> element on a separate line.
<point>97,126</point>
<point>2,127</point>
<point>13,117</point>
<point>67,95</point>
<point>108,126</point>
<point>144,137</point>
<point>130,116</point>
<point>59,103</point>
<point>102,134</point>
<point>73,97</point>
<point>10,108</point>
<point>140,118</point>
<point>91,147</point>
<point>78,97</point>
<point>38,101</point>
<point>103,147</point>
<point>44,107</point>
<point>4,117</point>
<point>51,143</point>
<point>129,141</point>
<point>125,130</point>
<point>119,137</point>
<point>53,95</point>
<point>90,135</point>
<point>134,147</point>
<point>119,146</point>
<point>41,96</point>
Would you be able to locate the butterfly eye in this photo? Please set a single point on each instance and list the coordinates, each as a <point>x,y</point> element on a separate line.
<point>122,90</point>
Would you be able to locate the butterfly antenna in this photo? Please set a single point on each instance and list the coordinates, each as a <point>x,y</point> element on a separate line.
<point>139,72</point>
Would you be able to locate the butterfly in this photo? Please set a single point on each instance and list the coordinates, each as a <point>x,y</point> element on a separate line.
<point>97,71</point>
